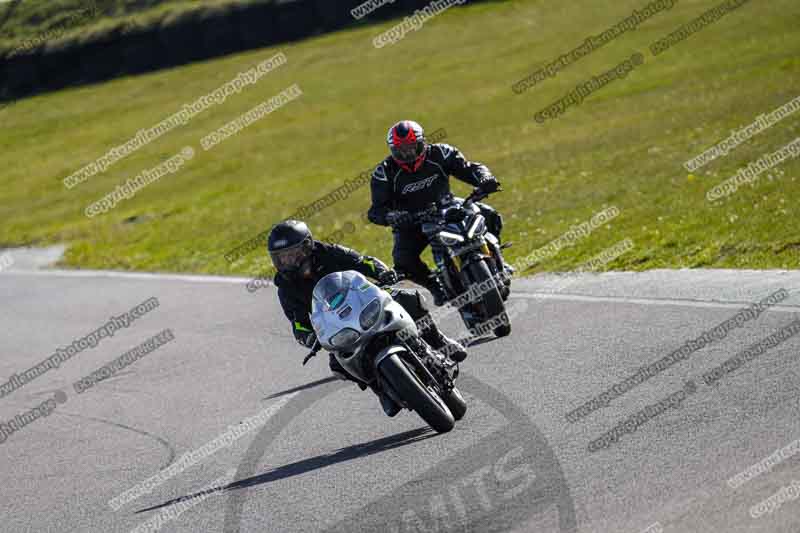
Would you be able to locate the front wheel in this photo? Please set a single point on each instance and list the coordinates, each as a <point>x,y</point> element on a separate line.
<point>426,402</point>
<point>491,303</point>
<point>456,403</point>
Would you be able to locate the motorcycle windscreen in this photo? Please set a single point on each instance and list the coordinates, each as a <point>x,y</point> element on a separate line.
<point>331,291</point>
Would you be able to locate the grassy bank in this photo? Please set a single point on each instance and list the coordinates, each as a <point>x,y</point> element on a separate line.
<point>624,146</point>
<point>31,19</point>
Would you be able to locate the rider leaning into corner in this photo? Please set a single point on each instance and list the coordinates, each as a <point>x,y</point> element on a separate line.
<point>415,175</point>
<point>301,261</point>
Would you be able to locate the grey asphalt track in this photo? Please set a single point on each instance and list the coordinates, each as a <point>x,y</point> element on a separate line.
<point>327,459</point>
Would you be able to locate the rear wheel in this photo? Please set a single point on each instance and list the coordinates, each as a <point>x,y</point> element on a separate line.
<point>427,404</point>
<point>456,403</point>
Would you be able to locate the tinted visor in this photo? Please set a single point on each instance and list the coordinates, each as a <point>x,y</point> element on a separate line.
<point>408,153</point>
<point>290,259</point>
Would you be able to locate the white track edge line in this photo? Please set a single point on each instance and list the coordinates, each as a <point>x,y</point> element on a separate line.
<point>647,301</point>
<point>193,278</point>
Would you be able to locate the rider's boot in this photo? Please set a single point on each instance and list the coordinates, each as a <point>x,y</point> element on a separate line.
<point>442,343</point>
<point>508,273</point>
<point>437,291</point>
<point>508,270</point>
<point>425,352</point>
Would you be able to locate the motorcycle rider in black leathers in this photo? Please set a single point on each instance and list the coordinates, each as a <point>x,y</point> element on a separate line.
<point>415,175</point>
<point>301,261</point>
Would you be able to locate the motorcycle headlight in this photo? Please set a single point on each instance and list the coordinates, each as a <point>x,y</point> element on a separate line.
<point>346,337</point>
<point>450,239</point>
<point>477,227</point>
<point>370,314</point>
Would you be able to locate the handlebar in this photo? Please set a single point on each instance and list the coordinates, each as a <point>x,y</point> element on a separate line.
<point>476,196</point>
<point>431,213</point>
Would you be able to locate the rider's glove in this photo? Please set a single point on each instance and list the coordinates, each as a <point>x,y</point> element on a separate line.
<point>489,185</point>
<point>388,278</point>
<point>307,338</point>
<point>398,218</point>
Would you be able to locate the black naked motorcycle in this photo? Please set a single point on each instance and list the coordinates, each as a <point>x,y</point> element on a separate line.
<point>469,262</point>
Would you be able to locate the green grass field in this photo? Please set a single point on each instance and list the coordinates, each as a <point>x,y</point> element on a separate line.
<point>624,146</point>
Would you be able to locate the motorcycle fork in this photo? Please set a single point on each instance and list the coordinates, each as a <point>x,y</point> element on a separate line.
<point>415,361</point>
<point>443,265</point>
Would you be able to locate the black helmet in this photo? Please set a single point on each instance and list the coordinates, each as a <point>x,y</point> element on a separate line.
<point>290,244</point>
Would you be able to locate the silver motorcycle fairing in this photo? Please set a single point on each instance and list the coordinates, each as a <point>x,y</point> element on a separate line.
<point>386,352</point>
<point>337,304</point>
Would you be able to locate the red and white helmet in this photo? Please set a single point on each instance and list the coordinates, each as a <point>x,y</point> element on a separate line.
<point>406,141</point>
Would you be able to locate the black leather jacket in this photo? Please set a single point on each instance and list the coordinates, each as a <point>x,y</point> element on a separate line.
<point>394,188</point>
